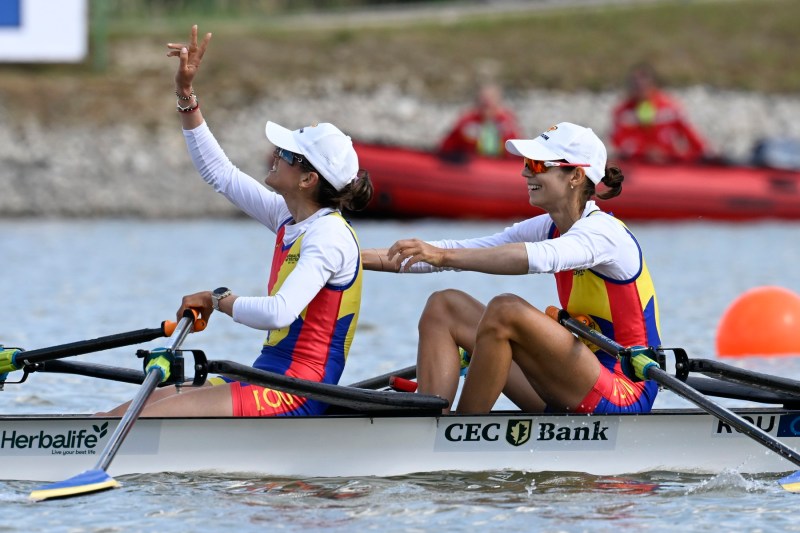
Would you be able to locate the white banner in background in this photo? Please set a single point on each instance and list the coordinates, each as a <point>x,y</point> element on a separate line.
<point>46,31</point>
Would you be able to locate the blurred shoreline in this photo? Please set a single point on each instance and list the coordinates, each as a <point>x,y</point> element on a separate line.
<point>131,169</point>
<point>75,142</point>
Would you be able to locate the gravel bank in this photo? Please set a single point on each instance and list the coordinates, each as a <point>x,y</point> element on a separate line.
<point>143,170</point>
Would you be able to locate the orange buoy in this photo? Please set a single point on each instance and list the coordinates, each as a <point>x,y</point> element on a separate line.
<point>764,321</point>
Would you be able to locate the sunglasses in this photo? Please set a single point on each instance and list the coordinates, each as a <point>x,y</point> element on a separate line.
<point>286,155</point>
<point>537,167</point>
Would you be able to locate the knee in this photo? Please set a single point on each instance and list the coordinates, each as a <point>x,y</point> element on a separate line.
<point>440,307</point>
<point>501,314</point>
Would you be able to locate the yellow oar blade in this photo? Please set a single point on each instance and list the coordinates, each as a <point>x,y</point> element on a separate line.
<point>791,482</point>
<point>84,483</point>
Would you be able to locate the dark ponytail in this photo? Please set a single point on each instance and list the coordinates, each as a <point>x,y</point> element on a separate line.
<point>612,180</point>
<point>353,197</point>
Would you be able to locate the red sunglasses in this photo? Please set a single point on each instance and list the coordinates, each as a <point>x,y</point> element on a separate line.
<point>537,167</point>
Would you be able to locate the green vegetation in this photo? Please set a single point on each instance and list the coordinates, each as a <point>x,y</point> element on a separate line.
<point>747,44</point>
<point>261,49</point>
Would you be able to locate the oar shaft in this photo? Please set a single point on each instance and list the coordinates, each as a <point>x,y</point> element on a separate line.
<point>134,410</point>
<point>92,345</point>
<point>379,382</point>
<point>682,389</point>
<point>94,370</point>
<point>745,377</point>
<point>139,401</point>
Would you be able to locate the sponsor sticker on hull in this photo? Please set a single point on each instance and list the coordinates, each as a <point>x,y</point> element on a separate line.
<point>527,434</point>
<point>777,425</point>
<point>69,438</point>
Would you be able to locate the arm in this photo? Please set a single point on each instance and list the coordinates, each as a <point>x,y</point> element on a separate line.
<point>598,242</point>
<point>504,259</point>
<point>321,257</point>
<point>190,57</point>
<point>381,259</point>
<point>378,259</point>
<point>241,190</point>
<point>208,157</point>
<point>328,255</point>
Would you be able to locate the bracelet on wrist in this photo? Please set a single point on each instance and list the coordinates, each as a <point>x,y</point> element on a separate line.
<point>190,108</point>
<point>185,98</point>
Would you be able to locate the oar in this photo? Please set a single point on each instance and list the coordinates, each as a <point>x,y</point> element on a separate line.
<point>16,359</point>
<point>651,370</point>
<point>384,380</point>
<point>94,370</point>
<point>97,479</point>
<point>734,374</point>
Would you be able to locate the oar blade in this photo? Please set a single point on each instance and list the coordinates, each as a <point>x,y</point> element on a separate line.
<point>791,482</point>
<point>86,482</point>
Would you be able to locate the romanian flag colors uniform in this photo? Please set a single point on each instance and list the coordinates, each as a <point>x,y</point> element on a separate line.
<point>313,347</point>
<point>623,310</point>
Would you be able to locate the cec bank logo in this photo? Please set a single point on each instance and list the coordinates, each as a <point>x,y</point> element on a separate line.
<point>518,432</point>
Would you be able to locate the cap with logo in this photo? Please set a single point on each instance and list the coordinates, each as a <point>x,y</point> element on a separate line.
<point>567,141</point>
<point>329,150</point>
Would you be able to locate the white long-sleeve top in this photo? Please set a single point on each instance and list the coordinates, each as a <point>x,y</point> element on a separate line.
<point>598,242</point>
<point>328,255</point>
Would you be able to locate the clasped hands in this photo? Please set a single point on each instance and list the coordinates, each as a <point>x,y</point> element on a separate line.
<point>407,252</point>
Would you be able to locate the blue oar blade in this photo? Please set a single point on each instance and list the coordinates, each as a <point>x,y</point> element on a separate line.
<point>791,482</point>
<point>84,483</point>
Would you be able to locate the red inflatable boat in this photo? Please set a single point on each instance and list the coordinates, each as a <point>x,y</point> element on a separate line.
<point>413,183</point>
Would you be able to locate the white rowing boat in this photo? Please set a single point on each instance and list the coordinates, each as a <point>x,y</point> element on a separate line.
<point>48,448</point>
<point>370,432</point>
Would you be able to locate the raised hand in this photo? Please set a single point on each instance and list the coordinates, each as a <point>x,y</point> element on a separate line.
<point>190,57</point>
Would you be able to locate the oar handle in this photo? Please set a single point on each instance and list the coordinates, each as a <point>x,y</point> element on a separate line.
<point>580,325</point>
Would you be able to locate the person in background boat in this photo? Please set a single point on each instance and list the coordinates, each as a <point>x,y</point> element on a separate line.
<point>650,126</point>
<point>512,346</point>
<point>482,130</point>
<point>315,279</point>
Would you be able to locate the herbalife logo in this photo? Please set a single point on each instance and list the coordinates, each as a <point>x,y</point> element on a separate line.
<point>73,441</point>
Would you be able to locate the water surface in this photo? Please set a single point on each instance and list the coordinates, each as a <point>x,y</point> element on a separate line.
<point>65,281</point>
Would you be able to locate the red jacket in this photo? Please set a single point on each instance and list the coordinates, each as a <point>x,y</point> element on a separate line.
<point>655,130</point>
<point>473,135</point>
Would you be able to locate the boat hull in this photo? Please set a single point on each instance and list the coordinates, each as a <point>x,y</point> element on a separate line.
<point>48,448</point>
<point>412,183</point>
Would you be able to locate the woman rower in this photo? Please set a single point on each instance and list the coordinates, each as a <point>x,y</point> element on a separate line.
<point>515,347</point>
<point>315,281</point>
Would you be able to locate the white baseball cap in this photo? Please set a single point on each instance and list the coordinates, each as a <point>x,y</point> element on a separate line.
<point>329,150</point>
<point>568,141</point>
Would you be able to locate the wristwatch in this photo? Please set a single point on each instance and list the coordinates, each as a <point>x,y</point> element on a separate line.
<point>217,295</point>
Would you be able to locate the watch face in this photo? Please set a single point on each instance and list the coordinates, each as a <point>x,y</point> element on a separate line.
<point>220,291</point>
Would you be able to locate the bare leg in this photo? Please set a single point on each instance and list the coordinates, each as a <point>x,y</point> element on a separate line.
<point>518,389</point>
<point>158,394</point>
<point>203,401</point>
<point>449,320</point>
<point>559,368</point>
